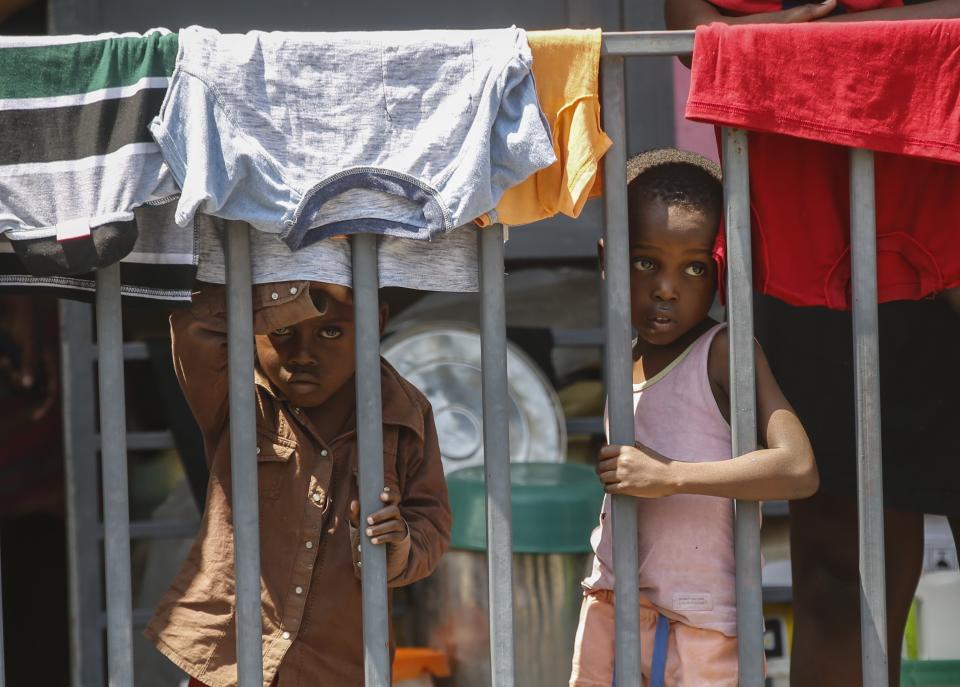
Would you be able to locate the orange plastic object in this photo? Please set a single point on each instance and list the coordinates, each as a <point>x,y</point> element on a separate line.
<point>413,662</point>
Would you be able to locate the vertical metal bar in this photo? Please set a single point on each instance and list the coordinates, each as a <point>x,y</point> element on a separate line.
<point>3,667</point>
<point>743,405</point>
<point>370,447</point>
<point>618,368</point>
<point>866,359</point>
<point>80,471</point>
<point>116,508</point>
<point>243,457</point>
<point>496,455</point>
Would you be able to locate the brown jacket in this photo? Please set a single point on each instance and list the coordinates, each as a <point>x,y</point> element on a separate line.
<point>310,586</point>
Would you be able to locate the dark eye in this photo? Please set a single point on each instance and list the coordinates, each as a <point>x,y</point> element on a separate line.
<point>282,331</point>
<point>331,332</point>
<point>643,264</point>
<point>696,269</point>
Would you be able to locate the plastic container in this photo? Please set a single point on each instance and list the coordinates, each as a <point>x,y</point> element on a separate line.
<point>555,508</point>
<point>930,674</point>
<point>938,615</point>
<point>417,666</point>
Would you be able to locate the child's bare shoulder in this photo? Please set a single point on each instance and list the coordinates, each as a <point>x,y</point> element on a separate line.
<point>718,359</point>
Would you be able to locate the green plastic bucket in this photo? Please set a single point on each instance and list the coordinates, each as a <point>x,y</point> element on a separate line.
<point>555,507</point>
<point>930,674</point>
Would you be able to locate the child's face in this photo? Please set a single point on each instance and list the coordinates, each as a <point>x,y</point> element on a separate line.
<point>672,273</point>
<point>311,360</point>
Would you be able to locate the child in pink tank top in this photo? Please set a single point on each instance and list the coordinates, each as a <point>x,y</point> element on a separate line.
<point>681,467</point>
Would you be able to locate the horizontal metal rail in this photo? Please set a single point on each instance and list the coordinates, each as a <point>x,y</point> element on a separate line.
<point>140,617</point>
<point>135,350</point>
<point>647,44</point>
<point>161,529</point>
<point>146,441</point>
<point>584,425</point>
<point>132,350</point>
<point>578,338</point>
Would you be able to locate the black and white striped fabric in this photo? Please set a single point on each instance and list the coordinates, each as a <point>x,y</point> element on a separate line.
<point>77,159</point>
<point>161,267</point>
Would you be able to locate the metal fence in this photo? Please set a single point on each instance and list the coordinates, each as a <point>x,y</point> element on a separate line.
<point>113,437</point>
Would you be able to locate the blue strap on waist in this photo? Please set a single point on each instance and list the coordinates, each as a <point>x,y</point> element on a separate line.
<point>661,641</point>
<point>658,664</point>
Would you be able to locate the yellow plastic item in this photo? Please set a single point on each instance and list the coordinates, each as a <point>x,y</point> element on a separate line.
<point>413,662</point>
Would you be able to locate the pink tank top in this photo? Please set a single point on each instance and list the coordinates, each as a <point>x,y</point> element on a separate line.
<point>685,541</point>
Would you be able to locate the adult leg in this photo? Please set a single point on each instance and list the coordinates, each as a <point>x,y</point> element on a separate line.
<point>826,589</point>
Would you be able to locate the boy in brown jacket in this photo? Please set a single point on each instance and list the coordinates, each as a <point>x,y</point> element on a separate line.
<point>307,475</point>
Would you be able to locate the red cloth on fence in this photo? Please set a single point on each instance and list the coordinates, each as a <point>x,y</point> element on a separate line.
<point>806,90</point>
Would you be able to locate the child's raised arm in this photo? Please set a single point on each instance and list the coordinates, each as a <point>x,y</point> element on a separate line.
<point>688,14</point>
<point>784,469</point>
<point>199,340</point>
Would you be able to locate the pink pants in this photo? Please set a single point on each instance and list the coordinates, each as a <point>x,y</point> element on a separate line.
<point>695,657</point>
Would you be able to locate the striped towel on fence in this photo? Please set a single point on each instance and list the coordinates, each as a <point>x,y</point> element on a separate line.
<point>76,160</point>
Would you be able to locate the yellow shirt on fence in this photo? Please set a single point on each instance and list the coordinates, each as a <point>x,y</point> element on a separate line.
<point>566,69</point>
